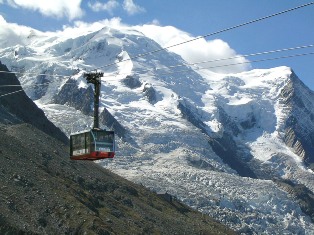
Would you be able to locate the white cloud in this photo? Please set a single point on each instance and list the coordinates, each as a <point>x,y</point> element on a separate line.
<point>131,8</point>
<point>198,50</point>
<point>128,5</point>
<point>154,22</point>
<point>54,8</point>
<point>108,6</point>
<point>13,34</point>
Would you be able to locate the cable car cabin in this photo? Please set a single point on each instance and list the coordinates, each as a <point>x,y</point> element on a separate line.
<point>92,145</point>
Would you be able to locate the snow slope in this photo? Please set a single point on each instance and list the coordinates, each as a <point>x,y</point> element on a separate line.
<point>191,132</point>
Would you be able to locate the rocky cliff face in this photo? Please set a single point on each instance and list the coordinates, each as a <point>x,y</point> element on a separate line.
<point>79,98</point>
<point>20,108</point>
<point>299,125</point>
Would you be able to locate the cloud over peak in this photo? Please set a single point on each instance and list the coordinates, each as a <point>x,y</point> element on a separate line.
<point>12,34</point>
<point>211,54</point>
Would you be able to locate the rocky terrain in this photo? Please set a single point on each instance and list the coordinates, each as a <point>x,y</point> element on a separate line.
<point>43,192</point>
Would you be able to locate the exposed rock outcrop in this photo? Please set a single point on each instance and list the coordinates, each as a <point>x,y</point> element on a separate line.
<point>132,82</point>
<point>108,120</point>
<point>299,126</point>
<point>79,98</point>
<point>150,93</point>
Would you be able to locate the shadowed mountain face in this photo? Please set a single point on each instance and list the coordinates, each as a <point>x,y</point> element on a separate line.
<point>299,130</point>
<point>43,192</point>
<point>18,108</point>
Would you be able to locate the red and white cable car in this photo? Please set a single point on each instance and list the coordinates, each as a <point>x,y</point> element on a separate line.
<point>92,145</point>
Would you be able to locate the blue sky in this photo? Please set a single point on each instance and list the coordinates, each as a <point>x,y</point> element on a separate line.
<point>197,17</point>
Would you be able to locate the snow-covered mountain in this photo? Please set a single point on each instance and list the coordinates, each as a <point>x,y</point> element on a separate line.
<point>236,146</point>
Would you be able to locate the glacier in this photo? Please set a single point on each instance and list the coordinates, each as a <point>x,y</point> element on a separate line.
<point>218,142</point>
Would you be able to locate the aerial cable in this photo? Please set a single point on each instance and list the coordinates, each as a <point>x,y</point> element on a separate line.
<point>217,66</point>
<point>232,64</point>
<point>262,60</point>
<point>26,86</point>
<point>233,57</point>
<point>228,58</point>
<point>37,74</point>
<point>241,56</point>
<point>243,24</point>
<point>210,34</point>
<point>34,85</point>
<point>178,65</point>
<point>11,93</point>
<point>194,39</point>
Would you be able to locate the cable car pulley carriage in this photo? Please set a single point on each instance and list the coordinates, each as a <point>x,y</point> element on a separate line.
<point>93,144</point>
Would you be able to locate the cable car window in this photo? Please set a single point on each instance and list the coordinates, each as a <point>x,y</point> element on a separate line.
<point>103,141</point>
<point>79,145</point>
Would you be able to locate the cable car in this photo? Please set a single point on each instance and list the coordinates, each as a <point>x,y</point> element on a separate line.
<point>95,144</point>
<point>92,145</point>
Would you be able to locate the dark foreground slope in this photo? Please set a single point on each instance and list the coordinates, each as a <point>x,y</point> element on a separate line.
<point>43,192</point>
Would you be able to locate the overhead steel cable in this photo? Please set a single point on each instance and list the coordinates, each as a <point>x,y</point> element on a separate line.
<point>235,57</point>
<point>241,56</point>
<point>217,66</point>
<point>26,86</point>
<point>210,34</point>
<point>262,60</point>
<point>37,74</point>
<point>33,85</point>
<point>178,65</point>
<point>232,64</point>
<point>11,93</point>
<point>181,65</point>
